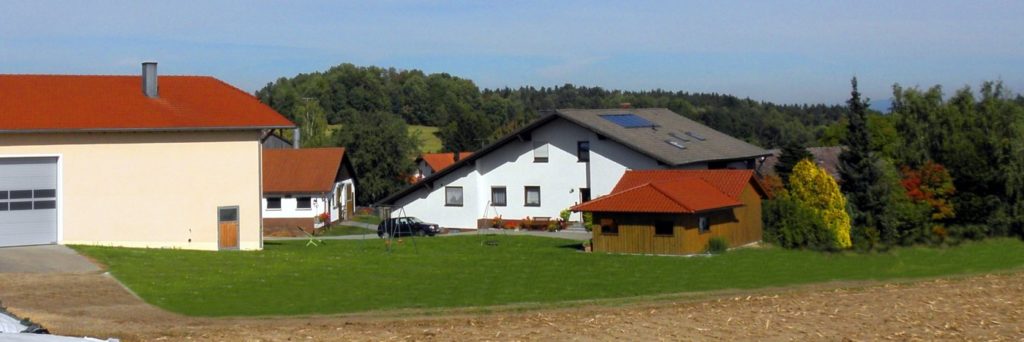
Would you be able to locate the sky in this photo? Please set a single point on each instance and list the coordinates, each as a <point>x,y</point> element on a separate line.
<point>779,51</point>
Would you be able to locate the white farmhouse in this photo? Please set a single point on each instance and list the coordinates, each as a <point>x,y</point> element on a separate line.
<point>306,188</point>
<point>564,158</point>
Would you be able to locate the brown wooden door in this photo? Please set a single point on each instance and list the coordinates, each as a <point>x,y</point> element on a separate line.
<point>350,202</point>
<point>227,227</point>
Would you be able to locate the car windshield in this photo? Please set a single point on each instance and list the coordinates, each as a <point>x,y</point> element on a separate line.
<point>414,220</point>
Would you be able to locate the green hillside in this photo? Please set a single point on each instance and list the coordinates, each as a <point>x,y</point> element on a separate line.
<point>427,135</point>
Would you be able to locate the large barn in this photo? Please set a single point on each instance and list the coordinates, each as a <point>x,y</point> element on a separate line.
<point>134,161</point>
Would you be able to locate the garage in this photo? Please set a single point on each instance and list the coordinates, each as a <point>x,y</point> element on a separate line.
<point>28,201</point>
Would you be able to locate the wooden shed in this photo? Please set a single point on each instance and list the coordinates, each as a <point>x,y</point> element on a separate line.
<point>677,211</point>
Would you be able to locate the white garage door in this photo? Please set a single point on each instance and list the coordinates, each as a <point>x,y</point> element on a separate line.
<point>28,201</point>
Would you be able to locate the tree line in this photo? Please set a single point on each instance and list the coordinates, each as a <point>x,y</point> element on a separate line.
<point>386,100</point>
<point>935,170</point>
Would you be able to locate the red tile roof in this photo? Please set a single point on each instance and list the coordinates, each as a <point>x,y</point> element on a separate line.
<point>440,161</point>
<point>673,191</point>
<point>99,103</point>
<point>307,170</point>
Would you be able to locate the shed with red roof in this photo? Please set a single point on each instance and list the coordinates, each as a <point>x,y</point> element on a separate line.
<point>307,188</point>
<point>157,162</point>
<point>677,211</point>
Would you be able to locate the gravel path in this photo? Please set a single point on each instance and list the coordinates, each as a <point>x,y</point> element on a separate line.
<point>983,307</point>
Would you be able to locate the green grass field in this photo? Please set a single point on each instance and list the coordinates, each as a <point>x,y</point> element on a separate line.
<point>288,278</point>
<point>429,142</point>
<point>339,230</point>
<point>371,219</point>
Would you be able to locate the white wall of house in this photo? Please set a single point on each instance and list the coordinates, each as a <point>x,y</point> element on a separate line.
<point>513,166</point>
<point>319,203</point>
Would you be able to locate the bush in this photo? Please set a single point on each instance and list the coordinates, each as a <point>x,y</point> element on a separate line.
<point>791,224</point>
<point>717,245</point>
<point>816,189</point>
<point>565,215</point>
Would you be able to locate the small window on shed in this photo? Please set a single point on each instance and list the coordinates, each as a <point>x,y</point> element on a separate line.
<point>304,203</point>
<point>702,224</point>
<point>273,203</point>
<point>608,227</point>
<point>664,228</point>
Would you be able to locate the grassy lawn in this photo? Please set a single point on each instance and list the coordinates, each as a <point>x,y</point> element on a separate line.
<point>352,276</point>
<point>347,230</point>
<point>429,142</point>
<point>371,219</point>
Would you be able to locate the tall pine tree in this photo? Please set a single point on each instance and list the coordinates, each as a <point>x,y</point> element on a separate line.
<point>860,172</point>
<point>792,153</point>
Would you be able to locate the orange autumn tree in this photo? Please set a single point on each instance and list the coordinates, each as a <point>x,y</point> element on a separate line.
<point>813,186</point>
<point>931,184</point>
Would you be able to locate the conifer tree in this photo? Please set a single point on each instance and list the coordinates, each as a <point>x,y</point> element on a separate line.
<point>859,170</point>
<point>792,153</point>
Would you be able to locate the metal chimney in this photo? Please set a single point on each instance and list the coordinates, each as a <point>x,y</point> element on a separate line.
<point>149,86</point>
<point>296,135</point>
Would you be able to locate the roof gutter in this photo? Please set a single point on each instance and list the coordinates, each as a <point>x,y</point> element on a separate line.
<point>120,130</point>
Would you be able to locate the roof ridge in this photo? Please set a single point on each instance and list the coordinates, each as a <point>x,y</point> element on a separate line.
<point>616,193</point>
<point>670,197</point>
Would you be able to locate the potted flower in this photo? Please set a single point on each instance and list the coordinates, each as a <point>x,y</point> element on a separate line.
<point>588,246</point>
<point>323,218</point>
<point>496,222</point>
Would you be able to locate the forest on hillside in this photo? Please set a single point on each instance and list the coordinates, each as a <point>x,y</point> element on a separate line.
<point>470,117</point>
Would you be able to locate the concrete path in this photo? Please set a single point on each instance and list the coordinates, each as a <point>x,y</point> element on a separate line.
<point>43,259</point>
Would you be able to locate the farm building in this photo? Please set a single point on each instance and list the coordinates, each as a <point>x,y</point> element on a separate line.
<point>677,211</point>
<point>165,162</point>
<point>306,188</point>
<point>564,158</point>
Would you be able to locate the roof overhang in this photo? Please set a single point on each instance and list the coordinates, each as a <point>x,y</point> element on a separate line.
<point>155,129</point>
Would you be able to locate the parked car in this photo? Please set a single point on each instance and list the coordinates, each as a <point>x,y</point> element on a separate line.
<point>400,226</point>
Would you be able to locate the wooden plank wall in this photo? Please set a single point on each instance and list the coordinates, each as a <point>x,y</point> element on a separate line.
<point>739,226</point>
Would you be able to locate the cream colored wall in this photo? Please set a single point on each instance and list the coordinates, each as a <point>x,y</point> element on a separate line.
<point>158,189</point>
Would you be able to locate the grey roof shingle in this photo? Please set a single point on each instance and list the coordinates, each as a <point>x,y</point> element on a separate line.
<point>653,141</point>
<point>716,146</point>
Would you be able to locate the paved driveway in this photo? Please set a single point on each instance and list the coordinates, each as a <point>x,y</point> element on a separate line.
<point>43,259</point>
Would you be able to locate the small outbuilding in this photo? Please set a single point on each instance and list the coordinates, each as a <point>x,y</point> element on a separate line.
<point>677,211</point>
<point>306,188</point>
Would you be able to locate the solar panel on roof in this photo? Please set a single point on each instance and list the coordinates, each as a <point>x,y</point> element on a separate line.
<point>695,136</point>
<point>678,136</point>
<point>628,120</point>
<point>676,143</point>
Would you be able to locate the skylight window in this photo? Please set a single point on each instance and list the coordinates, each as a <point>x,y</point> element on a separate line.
<point>679,136</point>
<point>695,136</point>
<point>628,120</point>
<point>678,144</point>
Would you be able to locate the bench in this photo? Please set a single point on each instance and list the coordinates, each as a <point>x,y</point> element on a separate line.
<point>539,223</point>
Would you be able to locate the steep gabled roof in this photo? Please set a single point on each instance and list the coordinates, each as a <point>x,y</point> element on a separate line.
<point>674,191</point>
<point>441,161</point>
<point>703,144</point>
<point>307,170</point>
<point>57,103</point>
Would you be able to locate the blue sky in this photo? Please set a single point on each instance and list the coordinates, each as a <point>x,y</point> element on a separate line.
<point>781,51</point>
